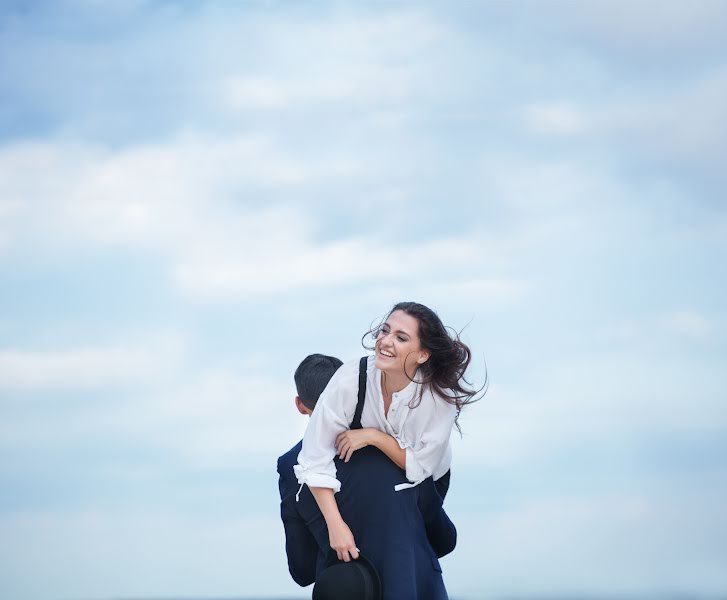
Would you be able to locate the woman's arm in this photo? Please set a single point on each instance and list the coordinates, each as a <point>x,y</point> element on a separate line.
<point>332,414</point>
<point>351,440</point>
<point>423,449</point>
<point>339,535</point>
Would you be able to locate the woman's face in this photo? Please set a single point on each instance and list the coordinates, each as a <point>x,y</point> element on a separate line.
<point>398,348</point>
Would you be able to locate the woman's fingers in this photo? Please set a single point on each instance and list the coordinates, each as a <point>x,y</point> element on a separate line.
<point>347,443</point>
<point>342,542</point>
<point>349,554</point>
<point>341,450</point>
<point>346,450</point>
<point>341,443</point>
<point>346,554</point>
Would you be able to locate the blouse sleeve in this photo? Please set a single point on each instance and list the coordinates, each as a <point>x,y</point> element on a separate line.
<point>332,415</point>
<point>425,454</point>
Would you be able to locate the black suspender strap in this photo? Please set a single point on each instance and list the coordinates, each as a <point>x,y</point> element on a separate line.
<point>363,363</point>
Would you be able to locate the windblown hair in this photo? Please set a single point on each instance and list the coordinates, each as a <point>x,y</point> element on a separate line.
<point>444,371</point>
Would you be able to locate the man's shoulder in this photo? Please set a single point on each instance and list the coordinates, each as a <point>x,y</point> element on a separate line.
<point>290,458</point>
<point>345,378</point>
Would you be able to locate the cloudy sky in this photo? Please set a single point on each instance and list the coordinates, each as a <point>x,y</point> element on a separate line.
<point>196,195</point>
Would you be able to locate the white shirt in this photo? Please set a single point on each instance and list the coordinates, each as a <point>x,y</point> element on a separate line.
<point>422,431</point>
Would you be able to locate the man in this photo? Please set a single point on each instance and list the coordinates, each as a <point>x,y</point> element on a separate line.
<point>402,533</point>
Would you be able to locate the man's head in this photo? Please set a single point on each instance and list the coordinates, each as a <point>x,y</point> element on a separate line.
<point>311,378</point>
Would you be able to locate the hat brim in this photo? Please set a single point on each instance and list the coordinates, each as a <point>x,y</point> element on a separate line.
<point>369,566</point>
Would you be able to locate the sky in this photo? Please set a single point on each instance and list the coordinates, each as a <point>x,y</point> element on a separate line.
<point>196,195</point>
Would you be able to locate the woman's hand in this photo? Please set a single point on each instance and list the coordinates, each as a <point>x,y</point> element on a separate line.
<point>341,540</point>
<point>354,439</point>
<point>339,535</point>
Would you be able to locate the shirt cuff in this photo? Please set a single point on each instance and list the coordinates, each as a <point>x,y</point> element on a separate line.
<point>313,479</point>
<point>414,471</point>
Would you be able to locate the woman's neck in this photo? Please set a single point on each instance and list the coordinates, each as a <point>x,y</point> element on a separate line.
<point>393,382</point>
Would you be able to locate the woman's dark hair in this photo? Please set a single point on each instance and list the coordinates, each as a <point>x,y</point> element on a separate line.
<point>449,358</point>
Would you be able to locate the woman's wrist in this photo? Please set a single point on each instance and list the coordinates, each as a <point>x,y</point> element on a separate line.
<point>333,517</point>
<point>390,446</point>
<point>377,438</point>
<point>327,504</point>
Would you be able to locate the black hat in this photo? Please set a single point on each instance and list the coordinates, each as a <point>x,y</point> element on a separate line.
<point>354,580</point>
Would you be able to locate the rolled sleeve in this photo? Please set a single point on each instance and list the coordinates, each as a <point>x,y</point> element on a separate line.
<point>316,479</point>
<point>424,457</point>
<point>330,417</point>
<point>414,471</point>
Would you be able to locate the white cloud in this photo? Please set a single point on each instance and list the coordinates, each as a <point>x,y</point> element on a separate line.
<point>108,9</point>
<point>630,37</point>
<point>546,191</point>
<point>220,420</point>
<point>288,113</point>
<point>563,542</point>
<point>688,323</point>
<point>74,369</point>
<point>206,418</point>
<point>254,93</point>
<point>272,269</point>
<point>684,123</point>
<point>474,293</point>
<point>8,208</point>
<point>368,86</point>
<point>178,201</point>
<point>555,119</point>
<point>558,404</point>
<point>97,554</point>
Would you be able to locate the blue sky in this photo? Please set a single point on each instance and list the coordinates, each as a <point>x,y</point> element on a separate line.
<point>195,196</point>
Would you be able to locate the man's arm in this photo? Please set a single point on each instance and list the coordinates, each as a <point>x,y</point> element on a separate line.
<point>300,545</point>
<point>441,531</point>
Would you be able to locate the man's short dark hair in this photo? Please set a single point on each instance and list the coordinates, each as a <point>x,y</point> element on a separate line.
<point>312,377</point>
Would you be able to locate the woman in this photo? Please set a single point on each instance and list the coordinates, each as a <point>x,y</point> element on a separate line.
<point>414,394</point>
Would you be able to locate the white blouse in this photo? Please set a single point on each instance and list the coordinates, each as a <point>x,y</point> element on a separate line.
<point>422,431</point>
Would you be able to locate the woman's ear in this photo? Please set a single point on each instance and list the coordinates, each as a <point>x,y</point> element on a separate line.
<point>423,356</point>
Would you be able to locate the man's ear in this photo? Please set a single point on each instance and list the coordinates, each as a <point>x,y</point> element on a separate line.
<point>302,408</point>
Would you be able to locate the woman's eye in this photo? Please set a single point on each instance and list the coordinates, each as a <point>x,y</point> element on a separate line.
<point>401,339</point>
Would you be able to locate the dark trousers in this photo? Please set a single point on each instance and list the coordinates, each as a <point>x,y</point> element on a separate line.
<point>442,484</point>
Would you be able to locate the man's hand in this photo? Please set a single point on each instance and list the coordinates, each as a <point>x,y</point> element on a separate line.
<point>354,439</point>
<point>341,540</point>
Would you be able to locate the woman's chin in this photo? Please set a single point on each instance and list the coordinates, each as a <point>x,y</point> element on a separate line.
<point>384,364</point>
